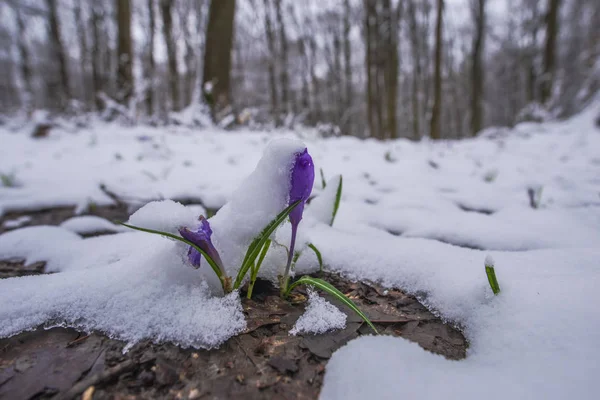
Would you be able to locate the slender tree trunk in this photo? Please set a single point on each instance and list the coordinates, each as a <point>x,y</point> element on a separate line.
<point>124,52</point>
<point>436,110</point>
<point>271,64</point>
<point>217,56</point>
<point>550,50</point>
<point>347,59</point>
<point>416,59</point>
<point>83,48</point>
<point>391,69</point>
<point>477,77</point>
<point>284,65</point>
<point>97,20</point>
<point>167,18</point>
<point>59,54</point>
<point>190,56</point>
<point>25,64</point>
<point>370,12</point>
<point>149,71</point>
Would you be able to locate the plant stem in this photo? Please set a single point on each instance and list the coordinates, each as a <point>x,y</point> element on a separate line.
<point>286,275</point>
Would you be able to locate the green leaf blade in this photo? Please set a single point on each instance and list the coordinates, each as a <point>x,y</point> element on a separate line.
<point>336,204</point>
<point>258,242</point>
<point>329,288</point>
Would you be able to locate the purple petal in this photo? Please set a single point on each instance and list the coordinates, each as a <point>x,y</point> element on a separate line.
<point>302,179</point>
<point>201,238</point>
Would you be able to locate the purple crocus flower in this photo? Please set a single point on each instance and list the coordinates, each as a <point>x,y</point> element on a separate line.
<point>301,183</point>
<point>201,238</point>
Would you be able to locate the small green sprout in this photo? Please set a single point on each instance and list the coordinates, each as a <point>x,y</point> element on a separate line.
<point>491,274</point>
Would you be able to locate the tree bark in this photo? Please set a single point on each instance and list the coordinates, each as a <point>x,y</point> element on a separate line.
<point>416,59</point>
<point>97,20</point>
<point>284,65</point>
<point>167,18</point>
<point>436,110</point>
<point>347,58</point>
<point>550,50</point>
<point>83,48</point>
<point>124,52</point>
<point>25,64</point>
<point>217,56</point>
<point>59,54</point>
<point>149,72</point>
<point>477,67</point>
<point>271,64</point>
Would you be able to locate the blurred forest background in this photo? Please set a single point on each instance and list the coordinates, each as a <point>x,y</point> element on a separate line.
<point>369,68</point>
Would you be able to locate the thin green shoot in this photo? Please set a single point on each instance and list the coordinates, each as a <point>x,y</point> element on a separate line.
<point>329,288</point>
<point>254,270</point>
<point>258,243</point>
<point>491,275</point>
<point>323,182</point>
<point>318,254</point>
<point>336,204</point>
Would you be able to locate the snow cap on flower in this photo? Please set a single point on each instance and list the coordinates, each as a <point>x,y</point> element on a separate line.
<point>302,179</point>
<point>201,238</point>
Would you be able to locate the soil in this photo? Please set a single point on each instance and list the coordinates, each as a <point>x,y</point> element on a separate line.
<point>264,362</point>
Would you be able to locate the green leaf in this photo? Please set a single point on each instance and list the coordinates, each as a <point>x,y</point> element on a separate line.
<point>255,268</point>
<point>210,261</point>
<point>336,205</point>
<point>491,275</point>
<point>329,288</point>
<point>318,254</point>
<point>323,183</point>
<point>259,242</point>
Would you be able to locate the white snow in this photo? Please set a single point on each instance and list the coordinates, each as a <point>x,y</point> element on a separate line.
<point>17,222</point>
<point>320,316</point>
<point>489,261</point>
<point>90,224</point>
<point>422,218</point>
<point>321,207</point>
<point>165,216</point>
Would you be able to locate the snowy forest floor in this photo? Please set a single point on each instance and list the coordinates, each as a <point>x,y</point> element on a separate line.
<point>264,362</point>
<point>416,222</point>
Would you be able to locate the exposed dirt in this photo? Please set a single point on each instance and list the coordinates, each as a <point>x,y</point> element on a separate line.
<point>264,362</point>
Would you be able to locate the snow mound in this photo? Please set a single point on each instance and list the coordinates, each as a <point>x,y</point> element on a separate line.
<point>320,316</point>
<point>164,215</point>
<point>90,224</point>
<point>131,286</point>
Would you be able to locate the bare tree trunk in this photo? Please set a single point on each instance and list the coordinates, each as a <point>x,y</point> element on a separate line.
<point>59,54</point>
<point>124,52</point>
<point>370,12</point>
<point>416,59</point>
<point>436,110</point>
<point>477,67</point>
<point>217,56</point>
<point>97,21</point>
<point>167,18</point>
<point>391,69</point>
<point>83,47</point>
<point>149,70</point>
<point>347,57</point>
<point>271,63</point>
<point>284,65</point>
<point>550,50</point>
<point>25,64</point>
<point>190,56</point>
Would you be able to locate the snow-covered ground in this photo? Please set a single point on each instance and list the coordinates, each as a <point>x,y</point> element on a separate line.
<point>418,216</point>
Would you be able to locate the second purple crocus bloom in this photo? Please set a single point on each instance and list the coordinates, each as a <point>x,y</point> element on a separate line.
<point>202,239</point>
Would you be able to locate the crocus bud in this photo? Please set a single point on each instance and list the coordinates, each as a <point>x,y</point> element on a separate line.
<point>302,179</point>
<point>201,238</point>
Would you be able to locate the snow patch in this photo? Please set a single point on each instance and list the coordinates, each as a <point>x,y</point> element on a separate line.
<point>320,316</point>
